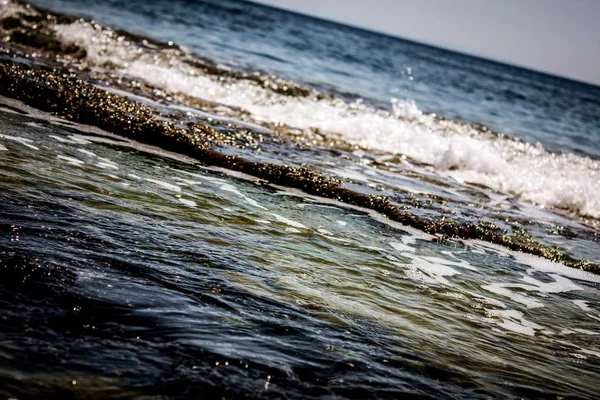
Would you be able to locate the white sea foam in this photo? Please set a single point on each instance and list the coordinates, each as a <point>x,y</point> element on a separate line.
<point>107,165</point>
<point>597,318</point>
<point>101,46</point>
<point>73,139</point>
<point>536,263</point>
<point>187,202</point>
<point>582,304</point>
<point>228,188</point>
<point>79,139</point>
<point>504,289</point>
<point>86,152</point>
<point>24,141</point>
<point>11,9</point>
<point>402,247</point>
<point>561,275</point>
<point>425,270</point>
<point>289,222</point>
<point>70,160</point>
<point>165,185</point>
<point>59,138</point>
<point>526,171</point>
<point>514,321</point>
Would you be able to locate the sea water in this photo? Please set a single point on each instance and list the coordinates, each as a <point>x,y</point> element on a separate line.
<point>129,270</point>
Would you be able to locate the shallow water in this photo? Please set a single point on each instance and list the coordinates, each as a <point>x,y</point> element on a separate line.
<point>130,271</point>
<point>134,273</point>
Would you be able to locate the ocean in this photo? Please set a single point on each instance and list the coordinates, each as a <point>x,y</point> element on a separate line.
<point>226,200</point>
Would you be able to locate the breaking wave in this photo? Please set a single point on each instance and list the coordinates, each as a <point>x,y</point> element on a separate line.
<point>527,171</point>
<point>458,150</point>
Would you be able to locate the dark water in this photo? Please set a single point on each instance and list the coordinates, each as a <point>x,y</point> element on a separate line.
<point>114,286</point>
<point>127,271</point>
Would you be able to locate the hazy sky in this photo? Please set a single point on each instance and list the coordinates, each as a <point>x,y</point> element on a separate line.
<point>561,37</point>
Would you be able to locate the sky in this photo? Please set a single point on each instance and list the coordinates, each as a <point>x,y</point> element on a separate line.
<point>561,37</point>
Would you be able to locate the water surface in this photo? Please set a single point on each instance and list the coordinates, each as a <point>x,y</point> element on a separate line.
<point>130,271</point>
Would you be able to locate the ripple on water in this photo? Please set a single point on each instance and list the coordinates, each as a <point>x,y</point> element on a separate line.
<point>159,283</point>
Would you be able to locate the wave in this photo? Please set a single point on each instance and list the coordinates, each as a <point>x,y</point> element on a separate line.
<point>461,151</point>
<point>457,150</point>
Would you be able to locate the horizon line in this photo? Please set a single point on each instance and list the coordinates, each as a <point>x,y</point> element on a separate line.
<point>428,44</point>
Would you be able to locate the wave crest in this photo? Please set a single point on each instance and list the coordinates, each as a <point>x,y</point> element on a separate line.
<point>453,149</point>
